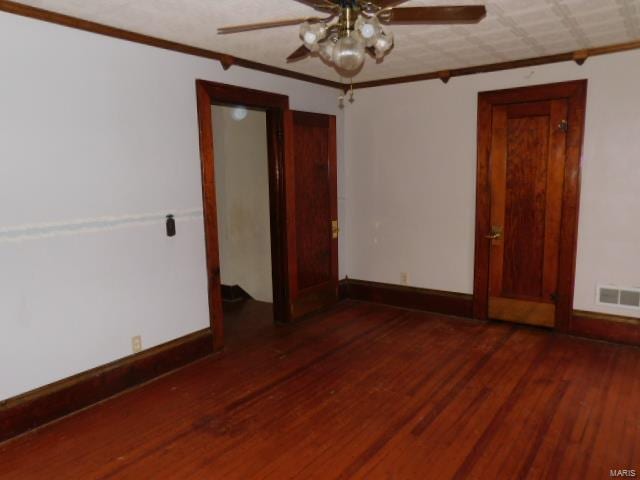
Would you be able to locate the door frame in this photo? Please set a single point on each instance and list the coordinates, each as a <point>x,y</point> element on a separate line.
<point>575,94</point>
<point>210,93</point>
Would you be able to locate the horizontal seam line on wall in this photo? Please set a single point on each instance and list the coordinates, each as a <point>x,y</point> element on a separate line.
<point>21,233</point>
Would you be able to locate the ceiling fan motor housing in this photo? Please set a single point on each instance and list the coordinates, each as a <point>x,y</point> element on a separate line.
<point>353,4</point>
<point>348,15</point>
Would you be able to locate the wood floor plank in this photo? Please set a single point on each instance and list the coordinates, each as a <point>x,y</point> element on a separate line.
<point>442,446</point>
<point>362,391</point>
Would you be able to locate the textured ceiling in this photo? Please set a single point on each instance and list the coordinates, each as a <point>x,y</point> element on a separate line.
<point>512,30</point>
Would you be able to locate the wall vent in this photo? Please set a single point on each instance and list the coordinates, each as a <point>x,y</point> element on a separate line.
<point>626,297</point>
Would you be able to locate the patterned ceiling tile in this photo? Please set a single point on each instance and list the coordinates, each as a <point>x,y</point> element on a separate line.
<point>513,29</point>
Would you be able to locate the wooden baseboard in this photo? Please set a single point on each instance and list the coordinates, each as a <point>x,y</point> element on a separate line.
<point>593,325</point>
<point>234,293</point>
<point>436,301</point>
<point>37,407</point>
<point>601,326</point>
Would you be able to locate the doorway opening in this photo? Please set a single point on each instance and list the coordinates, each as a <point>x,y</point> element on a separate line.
<point>244,128</point>
<point>302,186</point>
<point>241,163</point>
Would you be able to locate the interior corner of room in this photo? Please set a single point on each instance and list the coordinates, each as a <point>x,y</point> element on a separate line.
<point>159,207</point>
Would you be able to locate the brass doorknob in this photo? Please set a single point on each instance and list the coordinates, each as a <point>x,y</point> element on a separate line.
<point>496,232</point>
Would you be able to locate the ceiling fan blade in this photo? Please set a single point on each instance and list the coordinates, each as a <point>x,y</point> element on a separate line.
<point>299,54</point>
<point>262,25</point>
<point>322,5</point>
<point>458,14</point>
<point>388,3</point>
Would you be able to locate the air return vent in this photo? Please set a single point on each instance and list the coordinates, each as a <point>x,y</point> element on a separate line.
<point>609,295</point>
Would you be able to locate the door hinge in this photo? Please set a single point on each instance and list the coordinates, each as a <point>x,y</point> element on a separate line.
<point>564,126</point>
<point>334,228</point>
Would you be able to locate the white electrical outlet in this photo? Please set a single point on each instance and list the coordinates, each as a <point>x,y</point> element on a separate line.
<point>404,278</point>
<point>136,343</point>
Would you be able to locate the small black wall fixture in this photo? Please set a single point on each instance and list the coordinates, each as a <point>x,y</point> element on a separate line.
<point>171,226</point>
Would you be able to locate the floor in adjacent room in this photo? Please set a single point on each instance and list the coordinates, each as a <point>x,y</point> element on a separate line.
<point>363,391</point>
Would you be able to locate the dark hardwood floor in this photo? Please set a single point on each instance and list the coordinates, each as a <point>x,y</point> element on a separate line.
<point>364,391</point>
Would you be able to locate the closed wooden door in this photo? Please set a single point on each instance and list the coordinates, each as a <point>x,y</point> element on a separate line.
<point>528,148</point>
<point>312,209</point>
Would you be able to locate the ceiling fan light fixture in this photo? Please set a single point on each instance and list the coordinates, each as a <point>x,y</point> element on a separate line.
<point>312,34</point>
<point>353,28</point>
<point>348,53</point>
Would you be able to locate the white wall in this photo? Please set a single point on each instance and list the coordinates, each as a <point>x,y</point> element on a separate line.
<point>242,200</point>
<point>98,141</point>
<point>411,167</point>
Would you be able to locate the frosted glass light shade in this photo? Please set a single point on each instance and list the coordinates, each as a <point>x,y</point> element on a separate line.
<point>311,34</point>
<point>369,29</point>
<point>383,44</point>
<point>326,50</point>
<point>348,53</point>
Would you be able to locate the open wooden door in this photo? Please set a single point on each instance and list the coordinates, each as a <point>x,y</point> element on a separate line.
<point>312,212</point>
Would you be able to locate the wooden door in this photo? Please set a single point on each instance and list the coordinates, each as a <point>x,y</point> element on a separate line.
<point>312,211</point>
<point>531,172</point>
<point>527,172</point>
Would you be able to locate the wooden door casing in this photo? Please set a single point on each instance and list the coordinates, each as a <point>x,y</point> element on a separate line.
<point>528,183</point>
<point>311,199</point>
<point>208,93</point>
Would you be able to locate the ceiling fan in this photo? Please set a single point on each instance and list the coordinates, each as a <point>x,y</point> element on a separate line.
<point>358,28</point>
